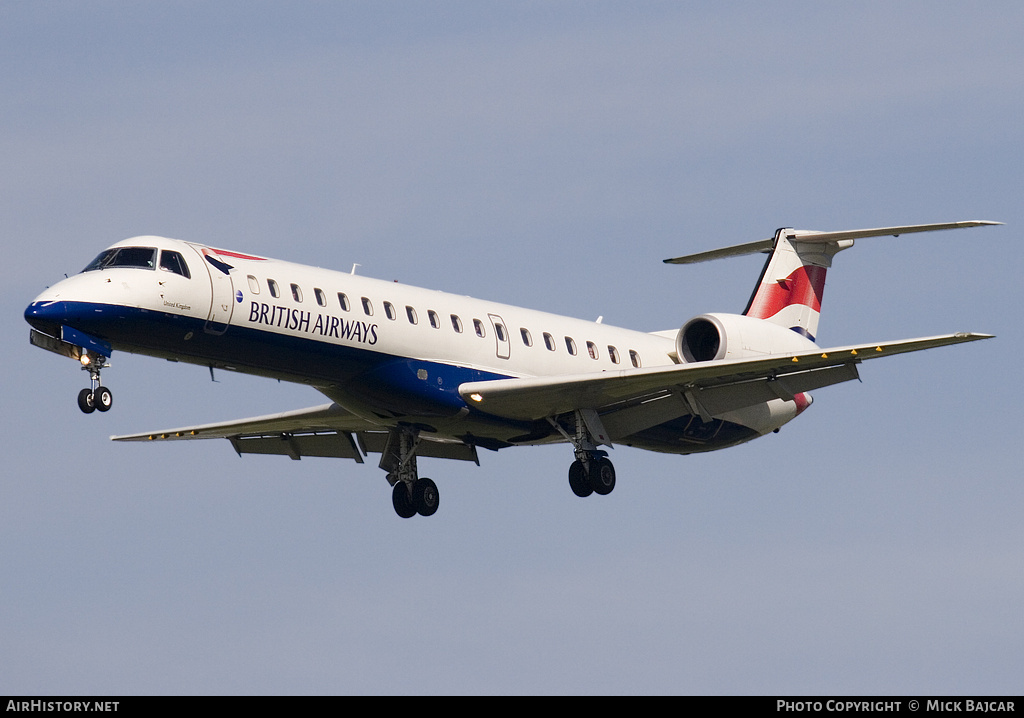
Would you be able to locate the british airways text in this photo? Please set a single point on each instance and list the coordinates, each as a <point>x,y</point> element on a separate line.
<point>323,325</point>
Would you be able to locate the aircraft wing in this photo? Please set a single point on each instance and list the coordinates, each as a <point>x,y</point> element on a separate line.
<point>708,388</point>
<point>325,430</point>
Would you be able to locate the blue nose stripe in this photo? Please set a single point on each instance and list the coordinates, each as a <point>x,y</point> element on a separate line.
<point>55,318</point>
<point>47,317</point>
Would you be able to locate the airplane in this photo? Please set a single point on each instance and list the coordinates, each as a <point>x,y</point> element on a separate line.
<point>413,373</point>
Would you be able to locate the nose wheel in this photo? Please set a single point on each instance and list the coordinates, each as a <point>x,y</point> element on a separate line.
<point>97,397</point>
<point>90,400</point>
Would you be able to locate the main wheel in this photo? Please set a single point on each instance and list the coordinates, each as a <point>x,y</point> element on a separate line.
<point>425,497</point>
<point>602,476</point>
<point>85,401</point>
<point>102,399</point>
<point>578,481</point>
<point>402,501</point>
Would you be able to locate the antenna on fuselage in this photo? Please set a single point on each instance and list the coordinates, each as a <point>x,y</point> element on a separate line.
<point>354,268</point>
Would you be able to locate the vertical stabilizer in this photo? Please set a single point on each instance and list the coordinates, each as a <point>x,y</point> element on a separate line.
<point>792,284</point>
<point>793,279</point>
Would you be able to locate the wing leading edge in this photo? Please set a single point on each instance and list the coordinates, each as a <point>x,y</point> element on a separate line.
<point>709,387</point>
<point>326,430</point>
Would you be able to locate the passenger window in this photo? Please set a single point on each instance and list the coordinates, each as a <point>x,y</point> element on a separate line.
<point>499,330</point>
<point>613,354</point>
<point>570,345</point>
<point>549,341</point>
<point>635,358</point>
<point>343,301</point>
<point>411,313</point>
<point>479,327</point>
<point>174,262</point>
<point>389,310</point>
<point>321,298</point>
<point>367,307</point>
<point>254,285</point>
<point>435,321</point>
<point>592,350</point>
<point>274,290</point>
<point>527,339</point>
<point>296,293</point>
<point>456,324</point>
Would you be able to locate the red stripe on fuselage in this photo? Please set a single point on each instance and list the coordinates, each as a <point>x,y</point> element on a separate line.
<point>804,286</point>
<point>236,255</point>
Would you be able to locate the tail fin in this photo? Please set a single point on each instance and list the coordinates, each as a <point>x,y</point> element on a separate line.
<point>792,282</point>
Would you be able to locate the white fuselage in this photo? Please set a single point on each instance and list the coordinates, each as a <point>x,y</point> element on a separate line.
<point>382,350</point>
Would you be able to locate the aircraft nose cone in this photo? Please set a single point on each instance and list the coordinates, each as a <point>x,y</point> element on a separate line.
<point>46,316</point>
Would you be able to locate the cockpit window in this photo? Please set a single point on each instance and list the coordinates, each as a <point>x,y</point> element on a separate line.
<point>174,262</point>
<point>139,257</point>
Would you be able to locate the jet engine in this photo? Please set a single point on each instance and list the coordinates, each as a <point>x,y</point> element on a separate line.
<point>733,336</point>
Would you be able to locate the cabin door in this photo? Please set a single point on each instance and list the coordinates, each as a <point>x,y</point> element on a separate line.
<point>501,338</point>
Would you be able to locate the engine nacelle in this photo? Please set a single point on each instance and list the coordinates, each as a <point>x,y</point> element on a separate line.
<point>734,336</point>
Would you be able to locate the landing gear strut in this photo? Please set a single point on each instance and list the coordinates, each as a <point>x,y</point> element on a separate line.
<point>96,396</point>
<point>410,494</point>
<point>591,472</point>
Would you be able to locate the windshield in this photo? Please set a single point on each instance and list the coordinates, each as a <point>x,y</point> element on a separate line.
<point>140,257</point>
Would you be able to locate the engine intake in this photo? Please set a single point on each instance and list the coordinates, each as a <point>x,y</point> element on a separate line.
<point>710,337</point>
<point>701,340</point>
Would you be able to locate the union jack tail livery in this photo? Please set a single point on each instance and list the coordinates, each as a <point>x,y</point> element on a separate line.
<point>790,290</point>
<point>791,286</point>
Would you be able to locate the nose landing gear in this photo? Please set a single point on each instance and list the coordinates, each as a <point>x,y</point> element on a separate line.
<point>97,396</point>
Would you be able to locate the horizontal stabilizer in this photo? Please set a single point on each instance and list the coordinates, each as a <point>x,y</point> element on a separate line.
<point>811,236</point>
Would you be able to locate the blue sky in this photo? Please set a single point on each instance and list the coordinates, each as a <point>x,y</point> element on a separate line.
<point>547,154</point>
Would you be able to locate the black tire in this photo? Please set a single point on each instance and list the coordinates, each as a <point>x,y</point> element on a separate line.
<point>578,481</point>
<point>602,476</point>
<point>425,497</point>
<point>85,401</point>
<point>402,501</point>
<point>102,399</point>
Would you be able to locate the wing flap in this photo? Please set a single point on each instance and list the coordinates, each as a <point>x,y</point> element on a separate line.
<point>726,385</point>
<point>325,418</point>
<point>325,431</point>
<point>339,445</point>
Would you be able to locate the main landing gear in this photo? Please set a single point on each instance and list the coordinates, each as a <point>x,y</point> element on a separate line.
<point>591,472</point>
<point>97,396</point>
<point>419,497</point>
<point>410,494</point>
